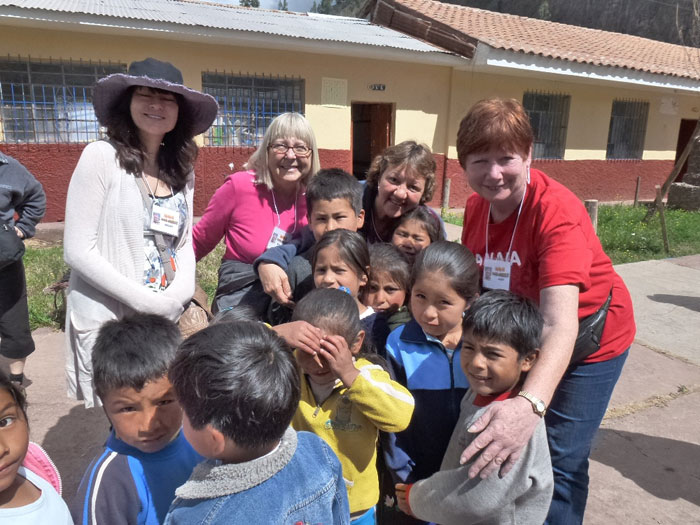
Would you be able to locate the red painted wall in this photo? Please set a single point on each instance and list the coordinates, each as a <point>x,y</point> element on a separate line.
<point>212,167</point>
<point>52,165</point>
<point>604,180</point>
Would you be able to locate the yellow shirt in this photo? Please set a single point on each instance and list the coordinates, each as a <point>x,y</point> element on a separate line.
<point>350,421</point>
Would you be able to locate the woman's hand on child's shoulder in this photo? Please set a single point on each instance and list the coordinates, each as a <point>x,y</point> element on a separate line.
<point>337,353</point>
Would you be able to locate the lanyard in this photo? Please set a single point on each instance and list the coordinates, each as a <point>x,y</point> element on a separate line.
<point>151,191</point>
<point>279,219</point>
<point>517,219</point>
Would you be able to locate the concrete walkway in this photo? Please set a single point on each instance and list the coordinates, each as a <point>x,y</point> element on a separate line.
<point>645,467</point>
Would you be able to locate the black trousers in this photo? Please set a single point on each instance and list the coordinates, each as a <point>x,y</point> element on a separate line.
<point>15,337</point>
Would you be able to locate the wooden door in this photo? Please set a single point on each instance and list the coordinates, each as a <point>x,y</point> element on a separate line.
<point>371,134</point>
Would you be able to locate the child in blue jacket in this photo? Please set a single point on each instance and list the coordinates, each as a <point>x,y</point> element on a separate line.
<point>424,355</point>
<point>239,386</point>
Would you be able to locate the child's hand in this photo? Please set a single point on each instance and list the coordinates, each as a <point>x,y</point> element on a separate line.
<point>335,350</point>
<point>276,283</point>
<point>401,500</point>
<point>301,335</point>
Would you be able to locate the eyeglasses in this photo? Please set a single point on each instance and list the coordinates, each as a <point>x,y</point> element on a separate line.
<point>300,150</point>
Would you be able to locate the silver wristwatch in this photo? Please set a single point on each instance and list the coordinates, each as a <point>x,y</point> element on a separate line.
<point>538,406</point>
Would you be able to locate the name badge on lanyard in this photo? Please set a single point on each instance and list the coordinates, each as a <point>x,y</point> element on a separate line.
<point>164,220</point>
<point>496,274</point>
<point>278,237</point>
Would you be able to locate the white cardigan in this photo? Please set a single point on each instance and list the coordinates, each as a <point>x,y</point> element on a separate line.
<point>103,245</point>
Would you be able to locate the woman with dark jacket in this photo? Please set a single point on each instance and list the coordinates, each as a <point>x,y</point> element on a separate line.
<point>22,195</point>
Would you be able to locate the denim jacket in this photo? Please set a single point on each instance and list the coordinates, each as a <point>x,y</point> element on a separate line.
<point>300,482</point>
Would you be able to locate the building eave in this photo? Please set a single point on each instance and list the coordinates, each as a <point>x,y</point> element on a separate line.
<point>42,19</point>
<point>501,61</point>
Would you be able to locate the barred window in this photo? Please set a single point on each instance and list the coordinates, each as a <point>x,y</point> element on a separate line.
<point>628,125</point>
<point>49,101</point>
<point>247,105</point>
<point>549,117</point>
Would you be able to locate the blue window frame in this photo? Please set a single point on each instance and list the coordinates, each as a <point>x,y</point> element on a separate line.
<point>247,105</point>
<point>49,101</point>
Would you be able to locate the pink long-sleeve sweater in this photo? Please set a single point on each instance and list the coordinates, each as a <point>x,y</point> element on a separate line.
<point>243,212</point>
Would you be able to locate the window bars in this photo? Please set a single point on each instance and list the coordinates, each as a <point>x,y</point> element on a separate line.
<point>49,101</point>
<point>549,118</point>
<point>628,126</point>
<point>247,105</point>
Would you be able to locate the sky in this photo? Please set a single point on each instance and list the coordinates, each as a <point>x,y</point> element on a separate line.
<point>294,5</point>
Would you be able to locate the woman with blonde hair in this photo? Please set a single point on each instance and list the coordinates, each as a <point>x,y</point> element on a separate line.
<point>258,209</point>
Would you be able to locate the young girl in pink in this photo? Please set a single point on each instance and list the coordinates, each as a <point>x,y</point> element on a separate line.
<point>26,497</point>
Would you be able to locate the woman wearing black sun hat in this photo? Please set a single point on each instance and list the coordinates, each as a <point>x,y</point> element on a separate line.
<point>128,229</point>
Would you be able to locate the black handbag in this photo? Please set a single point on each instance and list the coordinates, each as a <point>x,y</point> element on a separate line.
<point>11,246</point>
<point>590,332</point>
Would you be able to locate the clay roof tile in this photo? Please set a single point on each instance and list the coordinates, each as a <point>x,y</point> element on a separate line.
<point>550,39</point>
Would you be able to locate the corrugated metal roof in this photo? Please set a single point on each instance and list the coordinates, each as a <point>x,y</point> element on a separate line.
<point>195,14</point>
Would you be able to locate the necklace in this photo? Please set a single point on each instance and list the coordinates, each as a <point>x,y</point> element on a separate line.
<point>154,194</point>
<point>374,226</point>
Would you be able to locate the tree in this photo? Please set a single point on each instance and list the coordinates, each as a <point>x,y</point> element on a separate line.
<point>324,7</point>
<point>282,5</point>
<point>347,7</point>
<point>249,3</point>
<point>663,20</point>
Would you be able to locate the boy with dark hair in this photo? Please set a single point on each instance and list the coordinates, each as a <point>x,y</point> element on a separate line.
<point>239,386</point>
<point>500,343</point>
<point>333,201</point>
<point>146,457</point>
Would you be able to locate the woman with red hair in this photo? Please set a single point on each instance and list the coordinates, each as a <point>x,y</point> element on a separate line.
<point>531,235</point>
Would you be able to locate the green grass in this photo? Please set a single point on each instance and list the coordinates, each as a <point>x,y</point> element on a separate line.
<point>624,236</point>
<point>208,270</point>
<point>43,266</point>
<point>452,217</point>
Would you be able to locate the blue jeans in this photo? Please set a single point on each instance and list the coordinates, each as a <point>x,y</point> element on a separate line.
<point>572,420</point>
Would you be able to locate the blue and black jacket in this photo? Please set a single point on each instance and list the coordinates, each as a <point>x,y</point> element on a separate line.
<point>123,485</point>
<point>435,379</point>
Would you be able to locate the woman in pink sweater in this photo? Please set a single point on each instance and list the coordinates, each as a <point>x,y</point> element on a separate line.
<point>258,209</point>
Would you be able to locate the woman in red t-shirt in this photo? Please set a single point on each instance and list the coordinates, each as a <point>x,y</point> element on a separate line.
<point>533,236</point>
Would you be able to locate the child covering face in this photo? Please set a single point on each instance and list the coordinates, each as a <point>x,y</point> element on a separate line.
<point>347,397</point>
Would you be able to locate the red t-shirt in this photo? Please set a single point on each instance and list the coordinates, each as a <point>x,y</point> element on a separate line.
<point>555,244</point>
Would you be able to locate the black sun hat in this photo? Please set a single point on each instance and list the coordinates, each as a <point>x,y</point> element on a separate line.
<point>158,75</point>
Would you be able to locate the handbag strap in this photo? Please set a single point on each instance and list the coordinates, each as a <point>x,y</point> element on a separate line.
<point>162,247</point>
<point>607,302</point>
